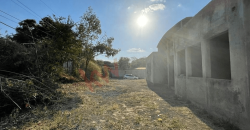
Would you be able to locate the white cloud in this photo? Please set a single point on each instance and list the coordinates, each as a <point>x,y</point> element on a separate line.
<point>158,0</point>
<point>157,7</point>
<point>135,50</point>
<point>179,5</point>
<point>154,7</point>
<point>129,7</point>
<point>146,10</point>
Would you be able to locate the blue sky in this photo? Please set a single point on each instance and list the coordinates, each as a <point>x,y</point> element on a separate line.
<point>118,19</point>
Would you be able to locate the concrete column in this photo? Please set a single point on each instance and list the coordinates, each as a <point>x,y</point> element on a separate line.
<point>175,66</point>
<point>246,7</point>
<point>206,59</point>
<point>206,66</point>
<point>152,69</point>
<point>239,31</point>
<point>168,64</point>
<point>188,62</point>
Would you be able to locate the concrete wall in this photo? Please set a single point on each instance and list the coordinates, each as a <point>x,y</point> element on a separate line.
<point>245,91</point>
<point>222,100</point>
<point>180,86</point>
<point>157,71</point>
<point>196,90</point>
<point>149,67</point>
<point>220,83</point>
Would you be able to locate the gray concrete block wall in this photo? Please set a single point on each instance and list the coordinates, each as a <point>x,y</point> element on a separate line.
<point>196,90</point>
<point>180,86</point>
<point>158,68</point>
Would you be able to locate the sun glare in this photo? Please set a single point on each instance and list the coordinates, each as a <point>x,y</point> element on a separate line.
<point>142,21</point>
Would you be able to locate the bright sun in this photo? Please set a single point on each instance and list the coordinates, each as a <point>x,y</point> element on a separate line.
<point>142,21</point>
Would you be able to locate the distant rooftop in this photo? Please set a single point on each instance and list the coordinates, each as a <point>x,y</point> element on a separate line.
<point>140,68</point>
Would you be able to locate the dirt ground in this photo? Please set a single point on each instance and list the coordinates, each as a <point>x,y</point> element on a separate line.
<point>119,105</point>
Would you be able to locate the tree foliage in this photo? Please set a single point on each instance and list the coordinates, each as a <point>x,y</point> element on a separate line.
<point>100,62</point>
<point>62,47</point>
<point>25,32</point>
<point>48,44</point>
<point>54,41</point>
<point>92,67</point>
<point>135,63</point>
<point>124,63</point>
<point>131,63</point>
<point>108,63</point>
<point>89,31</point>
<point>15,57</point>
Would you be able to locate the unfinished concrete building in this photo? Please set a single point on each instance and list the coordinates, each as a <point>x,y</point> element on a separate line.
<point>206,60</point>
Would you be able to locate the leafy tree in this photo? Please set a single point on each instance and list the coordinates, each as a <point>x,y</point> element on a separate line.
<point>63,46</point>
<point>89,31</point>
<point>124,63</point>
<point>25,32</point>
<point>30,32</point>
<point>108,63</point>
<point>55,43</point>
<point>100,62</point>
<point>14,57</point>
<point>141,62</point>
<point>51,51</point>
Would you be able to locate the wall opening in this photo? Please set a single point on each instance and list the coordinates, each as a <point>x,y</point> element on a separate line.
<point>171,71</point>
<point>220,57</point>
<point>181,63</point>
<point>196,60</point>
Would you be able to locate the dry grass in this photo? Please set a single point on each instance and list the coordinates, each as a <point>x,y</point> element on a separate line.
<point>121,104</point>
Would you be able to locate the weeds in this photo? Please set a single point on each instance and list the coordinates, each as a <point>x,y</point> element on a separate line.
<point>131,109</point>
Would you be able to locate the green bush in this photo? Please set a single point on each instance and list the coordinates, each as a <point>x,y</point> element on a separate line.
<point>15,57</point>
<point>105,71</point>
<point>21,81</point>
<point>92,68</point>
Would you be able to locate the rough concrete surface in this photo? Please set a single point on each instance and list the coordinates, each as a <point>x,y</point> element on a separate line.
<point>208,60</point>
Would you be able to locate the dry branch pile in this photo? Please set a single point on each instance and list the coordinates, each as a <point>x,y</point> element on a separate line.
<point>23,92</point>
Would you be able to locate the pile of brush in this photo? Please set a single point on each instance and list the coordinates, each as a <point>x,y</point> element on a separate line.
<point>23,92</point>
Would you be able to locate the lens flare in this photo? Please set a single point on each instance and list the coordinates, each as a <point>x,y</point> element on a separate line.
<point>142,21</point>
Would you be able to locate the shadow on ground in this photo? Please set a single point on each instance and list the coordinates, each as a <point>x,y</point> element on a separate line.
<point>169,96</point>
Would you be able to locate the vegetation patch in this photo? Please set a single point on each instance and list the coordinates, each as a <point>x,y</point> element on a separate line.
<point>25,93</point>
<point>135,107</point>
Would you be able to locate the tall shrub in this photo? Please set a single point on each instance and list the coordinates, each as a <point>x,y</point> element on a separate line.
<point>92,67</point>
